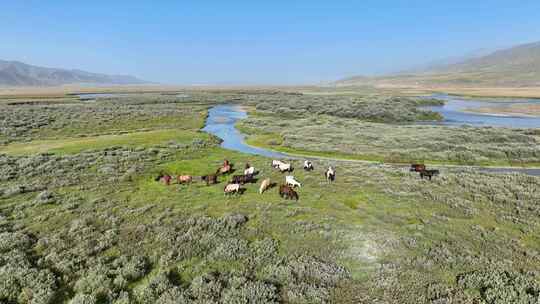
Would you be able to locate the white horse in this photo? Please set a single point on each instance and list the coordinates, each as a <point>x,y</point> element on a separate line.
<point>249,170</point>
<point>231,188</point>
<point>308,166</point>
<point>277,163</point>
<point>330,174</point>
<point>285,167</point>
<point>290,181</point>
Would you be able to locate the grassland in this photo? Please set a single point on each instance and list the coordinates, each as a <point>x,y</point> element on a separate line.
<point>82,220</point>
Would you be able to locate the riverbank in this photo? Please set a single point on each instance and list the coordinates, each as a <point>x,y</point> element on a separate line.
<point>515,110</point>
<point>493,92</point>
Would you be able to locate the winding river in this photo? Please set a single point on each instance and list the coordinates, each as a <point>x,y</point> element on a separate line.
<point>221,122</point>
<point>222,119</point>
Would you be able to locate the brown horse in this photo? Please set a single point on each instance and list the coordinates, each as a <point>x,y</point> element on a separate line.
<point>417,167</point>
<point>166,179</point>
<point>209,179</point>
<point>428,173</point>
<point>242,179</point>
<point>183,179</point>
<point>224,170</point>
<point>287,192</point>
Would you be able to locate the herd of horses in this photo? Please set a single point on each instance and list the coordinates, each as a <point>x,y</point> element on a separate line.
<point>286,190</point>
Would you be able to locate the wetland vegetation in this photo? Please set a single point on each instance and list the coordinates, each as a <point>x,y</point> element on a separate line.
<point>82,219</point>
<point>389,130</point>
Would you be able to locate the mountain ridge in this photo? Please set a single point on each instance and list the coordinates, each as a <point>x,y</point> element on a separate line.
<point>17,73</point>
<point>518,66</point>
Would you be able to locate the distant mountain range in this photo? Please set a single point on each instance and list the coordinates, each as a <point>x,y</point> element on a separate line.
<point>514,67</point>
<point>15,73</point>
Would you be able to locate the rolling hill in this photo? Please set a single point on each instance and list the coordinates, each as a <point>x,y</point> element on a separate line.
<point>514,67</point>
<point>15,73</point>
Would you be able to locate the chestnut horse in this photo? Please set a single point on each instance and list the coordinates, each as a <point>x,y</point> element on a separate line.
<point>209,179</point>
<point>417,167</point>
<point>224,170</point>
<point>287,192</point>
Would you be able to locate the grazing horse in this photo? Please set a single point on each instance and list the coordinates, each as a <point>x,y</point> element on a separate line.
<point>249,170</point>
<point>330,174</point>
<point>166,179</point>
<point>308,166</point>
<point>290,181</point>
<point>231,188</point>
<point>429,173</point>
<point>277,163</point>
<point>209,179</point>
<point>285,168</point>
<point>242,179</point>
<point>417,168</point>
<point>265,185</point>
<point>224,170</point>
<point>159,177</point>
<point>182,179</point>
<point>287,192</point>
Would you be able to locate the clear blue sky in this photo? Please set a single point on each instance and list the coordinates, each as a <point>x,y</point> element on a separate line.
<point>275,42</point>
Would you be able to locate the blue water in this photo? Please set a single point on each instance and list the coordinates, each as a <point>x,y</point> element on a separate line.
<point>453,112</point>
<point>221,121</point>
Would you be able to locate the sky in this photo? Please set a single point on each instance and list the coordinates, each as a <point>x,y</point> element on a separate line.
<point>257,42</point>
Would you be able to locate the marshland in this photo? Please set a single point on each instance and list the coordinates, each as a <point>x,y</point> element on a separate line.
<point>83,220</point>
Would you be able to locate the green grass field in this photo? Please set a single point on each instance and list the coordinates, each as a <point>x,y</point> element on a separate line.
<point>77,145</point>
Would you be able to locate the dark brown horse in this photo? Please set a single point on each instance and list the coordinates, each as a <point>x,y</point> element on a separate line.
<point>287,192</point>
<point>417,167</point>
<point>242,179</point>
<point>159,176</point>
<point>428,173</point>
<point>209,179</point>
